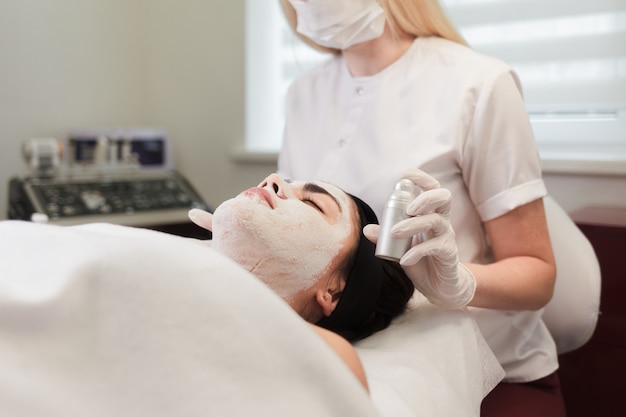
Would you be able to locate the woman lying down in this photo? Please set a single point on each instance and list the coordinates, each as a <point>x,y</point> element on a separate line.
<point>103,320</point>
<point>108,305</point>
<point>305,241</point>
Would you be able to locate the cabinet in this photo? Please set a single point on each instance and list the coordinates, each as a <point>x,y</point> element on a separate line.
<point>593,377</point>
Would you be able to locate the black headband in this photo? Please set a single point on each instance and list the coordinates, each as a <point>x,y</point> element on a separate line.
<point>359,296</point>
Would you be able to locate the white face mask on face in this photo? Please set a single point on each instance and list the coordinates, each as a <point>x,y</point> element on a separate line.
<point>288,247</point>
<point>339,24</point>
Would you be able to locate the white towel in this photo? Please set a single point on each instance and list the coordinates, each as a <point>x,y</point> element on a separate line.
<point>106,320</point>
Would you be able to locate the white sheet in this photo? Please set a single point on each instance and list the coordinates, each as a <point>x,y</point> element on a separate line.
<point>105,320</point>
<point>429,362</point>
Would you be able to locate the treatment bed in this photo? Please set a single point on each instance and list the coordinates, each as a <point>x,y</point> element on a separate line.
<point>105,320</point>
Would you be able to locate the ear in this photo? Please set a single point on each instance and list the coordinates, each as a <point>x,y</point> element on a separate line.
<point>327,299</point>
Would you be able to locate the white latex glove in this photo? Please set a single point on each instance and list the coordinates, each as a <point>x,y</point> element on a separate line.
<point>202,218</point>
<point>432,265</point>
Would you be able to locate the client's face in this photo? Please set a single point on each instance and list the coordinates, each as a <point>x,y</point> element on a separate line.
<point>289,234</point>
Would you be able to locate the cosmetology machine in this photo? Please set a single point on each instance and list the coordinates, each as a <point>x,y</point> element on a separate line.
<point>118,176</point>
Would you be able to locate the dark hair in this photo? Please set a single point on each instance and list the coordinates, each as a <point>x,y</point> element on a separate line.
<point>376,290</point>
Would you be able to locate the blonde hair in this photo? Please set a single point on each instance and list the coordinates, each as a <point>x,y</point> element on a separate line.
<point>409,17</point>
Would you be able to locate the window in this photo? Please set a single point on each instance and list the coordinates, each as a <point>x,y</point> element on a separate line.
<point>570,56</point>
<point>274,57</point>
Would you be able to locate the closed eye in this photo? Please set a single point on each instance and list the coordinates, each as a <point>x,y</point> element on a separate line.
<point>316,189</point>
<point>313,204</point>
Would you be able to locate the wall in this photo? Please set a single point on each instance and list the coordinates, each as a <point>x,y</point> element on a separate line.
<point>95,63</point>
<point>65,63</point>
<point>176,64</point>
<point>197,70</point>
<point>575,191</point>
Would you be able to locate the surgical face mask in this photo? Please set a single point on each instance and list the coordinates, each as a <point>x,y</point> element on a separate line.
<point>288,246</point>
<point>339,24</point>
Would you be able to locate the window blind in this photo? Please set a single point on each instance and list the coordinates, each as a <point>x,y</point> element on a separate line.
<point>570,56</point>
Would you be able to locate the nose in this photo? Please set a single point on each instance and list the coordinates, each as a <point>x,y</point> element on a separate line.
<point>277,184</point>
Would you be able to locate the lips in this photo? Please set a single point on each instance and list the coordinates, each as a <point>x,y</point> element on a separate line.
<point>261,194</point>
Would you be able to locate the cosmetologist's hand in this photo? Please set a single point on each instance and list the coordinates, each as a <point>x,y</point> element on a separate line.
<point>202,218</point>
<point>432,265</point>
